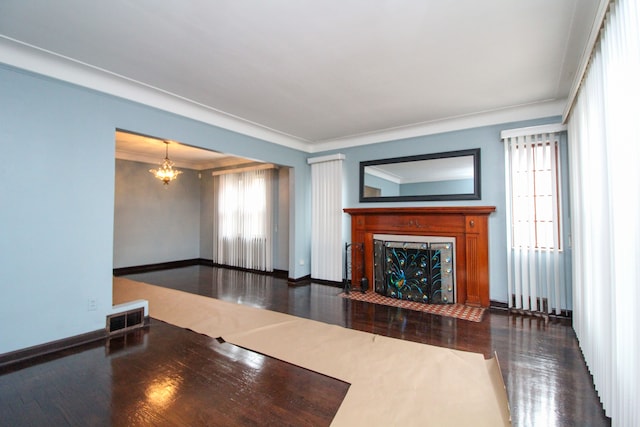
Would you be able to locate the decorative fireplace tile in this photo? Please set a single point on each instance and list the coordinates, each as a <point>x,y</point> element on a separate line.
<point>414,271</point>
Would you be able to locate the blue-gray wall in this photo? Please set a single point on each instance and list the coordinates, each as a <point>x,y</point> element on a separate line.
<point>154,223</point>
<point>492,182</point>
<point>207,207</point>
<point>57,200</point>
<point>57,197</point>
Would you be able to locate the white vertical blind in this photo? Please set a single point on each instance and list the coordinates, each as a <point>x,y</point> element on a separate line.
<point>326,218</point>
<point>604,151</point>
<point>243,230</point>
<point>535,266</point>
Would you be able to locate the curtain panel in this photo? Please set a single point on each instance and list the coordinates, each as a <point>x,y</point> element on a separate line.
<point>243,223</point>
<point>535,254</point>
<point>326,218</point>
<point>604,150</point>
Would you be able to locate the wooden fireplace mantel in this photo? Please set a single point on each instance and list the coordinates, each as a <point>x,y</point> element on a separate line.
<point>468,224</point>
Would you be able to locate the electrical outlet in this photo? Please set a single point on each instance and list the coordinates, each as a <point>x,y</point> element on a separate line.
<point>92,304</point>
<point>301,262</point>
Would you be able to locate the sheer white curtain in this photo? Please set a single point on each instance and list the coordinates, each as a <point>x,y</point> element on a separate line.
<point>604,151</point>
<point>326,217</point>
<point>243,223</point>
<point>535,253</point>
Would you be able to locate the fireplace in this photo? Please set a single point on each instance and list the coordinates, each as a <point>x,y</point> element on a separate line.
<point>467,226</point>
<point>415,268</point>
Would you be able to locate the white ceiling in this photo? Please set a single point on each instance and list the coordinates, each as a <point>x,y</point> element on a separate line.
<point>316,74</point>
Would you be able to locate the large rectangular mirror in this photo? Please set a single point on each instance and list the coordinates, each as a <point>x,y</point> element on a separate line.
<point>453,175</point>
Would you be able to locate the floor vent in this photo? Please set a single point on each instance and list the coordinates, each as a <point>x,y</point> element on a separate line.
<point>125,321</point>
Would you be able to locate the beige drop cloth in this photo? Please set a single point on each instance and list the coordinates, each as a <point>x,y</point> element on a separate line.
<point>393,382</point>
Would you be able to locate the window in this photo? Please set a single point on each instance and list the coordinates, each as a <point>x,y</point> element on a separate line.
<point>535,261</point>
<point>535,207</point>
<point>243,223</point>
<point>242,205</point>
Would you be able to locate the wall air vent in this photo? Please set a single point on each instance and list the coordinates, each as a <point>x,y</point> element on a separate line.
<point>125,321</point>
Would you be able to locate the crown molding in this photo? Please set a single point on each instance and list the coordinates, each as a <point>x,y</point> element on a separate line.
<point>372,170</point>
<point>40,61</point>
<point>50,64</point>
<point>504,115</point>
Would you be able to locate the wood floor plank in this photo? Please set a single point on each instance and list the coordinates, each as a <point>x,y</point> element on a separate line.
<point>543,368</point>
<point>164,375</point>
<point>128,380</point>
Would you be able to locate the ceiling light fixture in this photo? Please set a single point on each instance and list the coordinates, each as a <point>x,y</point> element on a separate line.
<point>166,173</point>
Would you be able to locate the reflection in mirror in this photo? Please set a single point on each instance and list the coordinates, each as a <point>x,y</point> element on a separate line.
<point>453,175</point>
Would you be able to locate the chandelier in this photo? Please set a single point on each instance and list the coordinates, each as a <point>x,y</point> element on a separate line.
<point>166,173</point>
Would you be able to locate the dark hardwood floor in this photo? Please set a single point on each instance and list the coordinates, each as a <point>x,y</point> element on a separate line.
<point>163,375</point>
